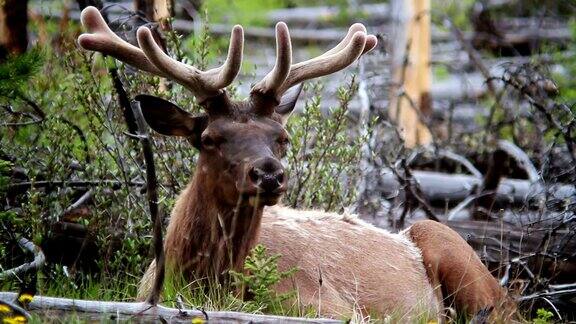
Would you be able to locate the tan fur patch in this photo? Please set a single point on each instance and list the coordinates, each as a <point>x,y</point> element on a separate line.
<point>359,263</point>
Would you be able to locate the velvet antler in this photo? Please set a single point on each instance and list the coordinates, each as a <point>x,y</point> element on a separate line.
<point>284,75</point>
<point>149,56</point>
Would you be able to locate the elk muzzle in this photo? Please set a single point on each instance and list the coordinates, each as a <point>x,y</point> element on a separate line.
<point>265,181</point>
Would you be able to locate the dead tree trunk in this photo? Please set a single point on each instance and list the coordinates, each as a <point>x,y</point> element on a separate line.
<point>13,32</point>
<point>410,100</point>
<point>156,10</point>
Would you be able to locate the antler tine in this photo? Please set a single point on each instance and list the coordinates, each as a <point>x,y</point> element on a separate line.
<point>203,84</point>
<point>226,73</point>
<point>102,39</point>
<point>275,78</point>
<point>357,27</point>
<point>356,43</point>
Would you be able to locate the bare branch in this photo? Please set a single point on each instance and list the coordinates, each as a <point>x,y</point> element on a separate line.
<point>152,194</point>
<point>38,261</point>
<point>521,158</point>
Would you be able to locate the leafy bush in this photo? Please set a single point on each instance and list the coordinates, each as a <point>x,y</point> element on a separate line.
<point>324,154</point>
<point>543,316</point>
<point>17,71</point>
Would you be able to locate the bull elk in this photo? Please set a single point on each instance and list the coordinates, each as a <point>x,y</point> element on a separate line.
<point>231,203</point>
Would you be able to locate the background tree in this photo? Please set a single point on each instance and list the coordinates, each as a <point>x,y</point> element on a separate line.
<point>156,10</point>
<point>13,32</point>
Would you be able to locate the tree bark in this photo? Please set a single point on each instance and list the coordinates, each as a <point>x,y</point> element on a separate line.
<point>410,100</point>
<point>156,10</point>
<point>13,31</point>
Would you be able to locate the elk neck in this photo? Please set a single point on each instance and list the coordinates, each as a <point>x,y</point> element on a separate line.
<point>206,237</point>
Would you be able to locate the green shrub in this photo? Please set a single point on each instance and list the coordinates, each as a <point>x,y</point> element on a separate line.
<point>324,154</point>
<point>543,316</point>
<point>260,277</point>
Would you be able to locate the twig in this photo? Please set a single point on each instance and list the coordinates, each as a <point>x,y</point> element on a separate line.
<point>152,191</point>
<point>80,134</point>
<point>80,183</point>
<point>38,261</point>
<point>83,199</point>
<point>19,124</point>
<point>476,59</point>
<point>461,160</point>
<point>39,112</point>
<point>521,158</point>
<point>40,116</point>
<point>474,56</point>
<point>124,101</point>
<point>546,294</point>
<point>454,212</point>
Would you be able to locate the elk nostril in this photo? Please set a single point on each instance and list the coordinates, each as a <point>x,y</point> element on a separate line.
<point>254,175</point>
<point>280,178</point>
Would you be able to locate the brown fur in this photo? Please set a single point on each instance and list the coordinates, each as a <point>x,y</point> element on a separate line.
<point>456,271</point>
<point>205,238</point>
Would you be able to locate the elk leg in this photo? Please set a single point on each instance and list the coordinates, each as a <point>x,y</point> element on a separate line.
<point>450,262</point>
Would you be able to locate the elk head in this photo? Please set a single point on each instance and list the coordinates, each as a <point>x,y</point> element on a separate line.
<point>241,143</point>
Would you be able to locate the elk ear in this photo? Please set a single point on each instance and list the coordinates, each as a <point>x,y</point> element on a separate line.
<point>168,119</point>
<point>288,102</point>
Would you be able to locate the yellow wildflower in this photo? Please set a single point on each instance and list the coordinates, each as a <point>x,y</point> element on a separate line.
<point>5,309</point>
<point>25,298</point>
<point>198,320</point>
<point>17,319</point>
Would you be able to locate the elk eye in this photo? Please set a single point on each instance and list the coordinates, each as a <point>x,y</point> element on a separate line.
<point>283,140</point>
<point>209,143</point>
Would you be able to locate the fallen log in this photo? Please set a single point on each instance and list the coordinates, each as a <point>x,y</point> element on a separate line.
<point>379,12</point>
<point>323,14</point>
<point>546,252</point>
<point>442,189</point>
<point>141,311</point>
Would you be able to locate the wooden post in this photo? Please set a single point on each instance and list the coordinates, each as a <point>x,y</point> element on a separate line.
<point>13,23</point>
<point>410,100</point>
